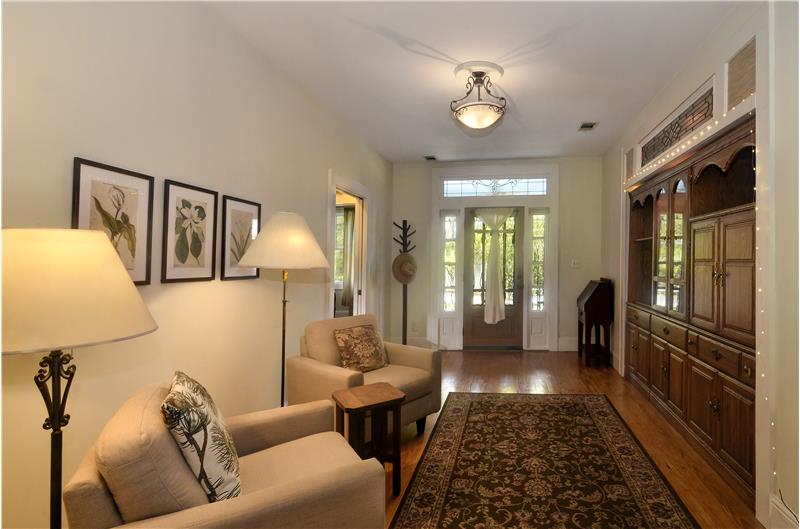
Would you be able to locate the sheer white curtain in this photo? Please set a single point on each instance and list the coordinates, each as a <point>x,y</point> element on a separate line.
<point>494,309</point>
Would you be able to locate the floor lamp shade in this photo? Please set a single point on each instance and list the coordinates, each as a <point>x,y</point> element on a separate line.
<point>65,289</point>
<point>285,243</point>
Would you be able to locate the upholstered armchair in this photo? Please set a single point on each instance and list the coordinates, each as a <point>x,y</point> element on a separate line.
<point>317,372</point>
<point>295,473</point>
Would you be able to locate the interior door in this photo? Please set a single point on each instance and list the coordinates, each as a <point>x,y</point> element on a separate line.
<point>506,334</point>
<point>704,306</point>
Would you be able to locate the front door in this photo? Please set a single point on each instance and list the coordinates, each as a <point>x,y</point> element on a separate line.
<point>507,333</point>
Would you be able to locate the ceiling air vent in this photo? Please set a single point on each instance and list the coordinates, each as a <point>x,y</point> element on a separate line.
<point>430,157</point>
<point>587,125</point>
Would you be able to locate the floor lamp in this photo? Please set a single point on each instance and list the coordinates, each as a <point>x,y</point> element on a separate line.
<point>285,243</point>
<point>64,289</point>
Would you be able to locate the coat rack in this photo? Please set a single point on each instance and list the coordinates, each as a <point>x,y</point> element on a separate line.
<point>404,267</point>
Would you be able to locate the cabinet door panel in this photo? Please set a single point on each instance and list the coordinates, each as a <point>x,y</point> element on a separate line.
<point>658,367</point>
<point>703,286</point>
<point>632,348</point>
<point>643,353</point>
<point>700,413</point>
<point>676,393</point>
<point>737,318</point>
<point>737,428</point>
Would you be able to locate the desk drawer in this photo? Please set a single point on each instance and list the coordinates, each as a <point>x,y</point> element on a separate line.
<point>719,356</point>
<point>668,331</point>
<point>639,317</point>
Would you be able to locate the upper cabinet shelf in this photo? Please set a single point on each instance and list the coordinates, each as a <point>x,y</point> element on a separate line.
<point>722,187</point>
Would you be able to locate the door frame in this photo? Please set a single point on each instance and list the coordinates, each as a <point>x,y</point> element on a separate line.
<point>364,228</point>
<point>446,328</point>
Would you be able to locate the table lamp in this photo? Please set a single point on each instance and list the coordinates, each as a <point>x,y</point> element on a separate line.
<point>64,289</point>
<point>285,243</point>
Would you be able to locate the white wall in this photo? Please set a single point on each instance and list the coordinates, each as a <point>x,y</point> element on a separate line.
<point>777,217</point>
<point>580,181</point>
<point>170,91</point>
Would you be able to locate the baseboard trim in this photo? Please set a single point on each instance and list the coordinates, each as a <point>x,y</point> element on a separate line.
<point>779,515</point>
<point>568,343</point>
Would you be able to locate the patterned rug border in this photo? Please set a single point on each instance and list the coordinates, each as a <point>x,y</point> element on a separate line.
<point>678,499</point>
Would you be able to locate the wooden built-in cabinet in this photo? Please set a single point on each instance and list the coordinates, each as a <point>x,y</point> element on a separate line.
<point>690,325</point>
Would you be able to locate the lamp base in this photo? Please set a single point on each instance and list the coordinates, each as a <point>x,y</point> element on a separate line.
<point>55,367</point>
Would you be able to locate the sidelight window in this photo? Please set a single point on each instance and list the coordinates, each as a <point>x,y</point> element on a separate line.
<point>449,224</point>
<point>538,227</point>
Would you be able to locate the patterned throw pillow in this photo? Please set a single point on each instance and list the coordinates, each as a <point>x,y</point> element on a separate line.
<point>204,440</point>
<point>361,348</point>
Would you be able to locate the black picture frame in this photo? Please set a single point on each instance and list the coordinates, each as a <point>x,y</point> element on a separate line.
<point>177,274</point>
<point>84,173</point>
<point>226,273</point>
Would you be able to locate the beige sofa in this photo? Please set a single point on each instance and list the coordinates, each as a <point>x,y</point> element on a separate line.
<point>317,372</point>
<point>295,473</point>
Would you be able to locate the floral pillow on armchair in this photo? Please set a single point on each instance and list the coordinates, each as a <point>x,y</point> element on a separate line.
<point>361,348</point>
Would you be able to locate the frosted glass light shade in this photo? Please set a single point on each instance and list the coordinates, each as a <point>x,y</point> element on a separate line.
<point>478,115</point>
<point>64,289</point>
<point>285,243</point>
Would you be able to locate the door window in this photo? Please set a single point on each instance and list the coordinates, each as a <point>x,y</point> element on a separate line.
<point>482,238</point>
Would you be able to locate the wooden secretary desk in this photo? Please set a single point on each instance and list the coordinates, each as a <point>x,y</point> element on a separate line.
<point>690,317</point>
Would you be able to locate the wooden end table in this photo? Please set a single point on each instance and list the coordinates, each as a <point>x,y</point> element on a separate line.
<point>375,401</point>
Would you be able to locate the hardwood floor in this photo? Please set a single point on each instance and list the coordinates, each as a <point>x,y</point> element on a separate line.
<point>710,500</point>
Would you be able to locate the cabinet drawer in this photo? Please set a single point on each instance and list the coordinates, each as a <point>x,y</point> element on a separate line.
<point>691,342</point>
<point>668,331</point>
<point>639,317</point>
<point>748,374</point>
<point>719,356</point>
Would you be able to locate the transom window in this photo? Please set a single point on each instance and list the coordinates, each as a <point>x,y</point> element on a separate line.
<point>489,187</point>
<point>538,227</point>
<point>480,247</point>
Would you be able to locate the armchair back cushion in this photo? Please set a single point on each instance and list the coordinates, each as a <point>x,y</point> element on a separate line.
<point>320,343</point>
<point>140,462</point>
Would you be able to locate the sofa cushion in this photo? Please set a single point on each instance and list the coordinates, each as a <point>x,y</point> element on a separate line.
<point>412,381</point>
<point>360,348</point>
<point>204,439</point>
<point>140,462</point>
<point>320,342</point>
<point>298,459</point>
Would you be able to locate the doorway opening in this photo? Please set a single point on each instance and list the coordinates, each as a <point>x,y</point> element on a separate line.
<point>348,255</point>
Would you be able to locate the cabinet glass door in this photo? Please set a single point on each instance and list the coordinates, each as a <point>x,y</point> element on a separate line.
<point>677,243</point>
<point>661,262</point>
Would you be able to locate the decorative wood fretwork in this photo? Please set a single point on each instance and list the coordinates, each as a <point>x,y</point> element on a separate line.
<point>690,119</point>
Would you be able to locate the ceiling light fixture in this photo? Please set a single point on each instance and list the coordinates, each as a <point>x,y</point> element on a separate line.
<point>483,109</point>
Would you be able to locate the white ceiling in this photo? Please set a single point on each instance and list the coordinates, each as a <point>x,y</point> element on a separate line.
<point>387,68</point>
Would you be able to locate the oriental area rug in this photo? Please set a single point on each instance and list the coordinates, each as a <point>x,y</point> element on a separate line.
<point>536,461</point>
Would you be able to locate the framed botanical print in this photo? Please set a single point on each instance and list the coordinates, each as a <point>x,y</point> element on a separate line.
<point>190,231</point>
<point>241,221</point>
<point>120,203</point>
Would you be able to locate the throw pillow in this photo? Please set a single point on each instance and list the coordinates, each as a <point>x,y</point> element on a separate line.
<point>361,348</point>
<point>204,440</point>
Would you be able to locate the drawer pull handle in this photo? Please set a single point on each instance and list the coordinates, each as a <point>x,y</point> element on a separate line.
<point>747,371</point>
<point>635,348</point>
<point>665,369</point>
<point>714,405</point>
<point>691,341</point>
<point>716,354</point>
<point>635,316</point>
<point>666,330</point>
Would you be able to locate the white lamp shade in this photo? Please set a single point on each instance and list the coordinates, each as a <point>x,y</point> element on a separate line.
<point>285,243</point>
<point>478,115</point>
<point>64,289</point>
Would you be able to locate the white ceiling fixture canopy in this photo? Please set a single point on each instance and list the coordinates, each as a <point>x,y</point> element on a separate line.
<point>480,108</point>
